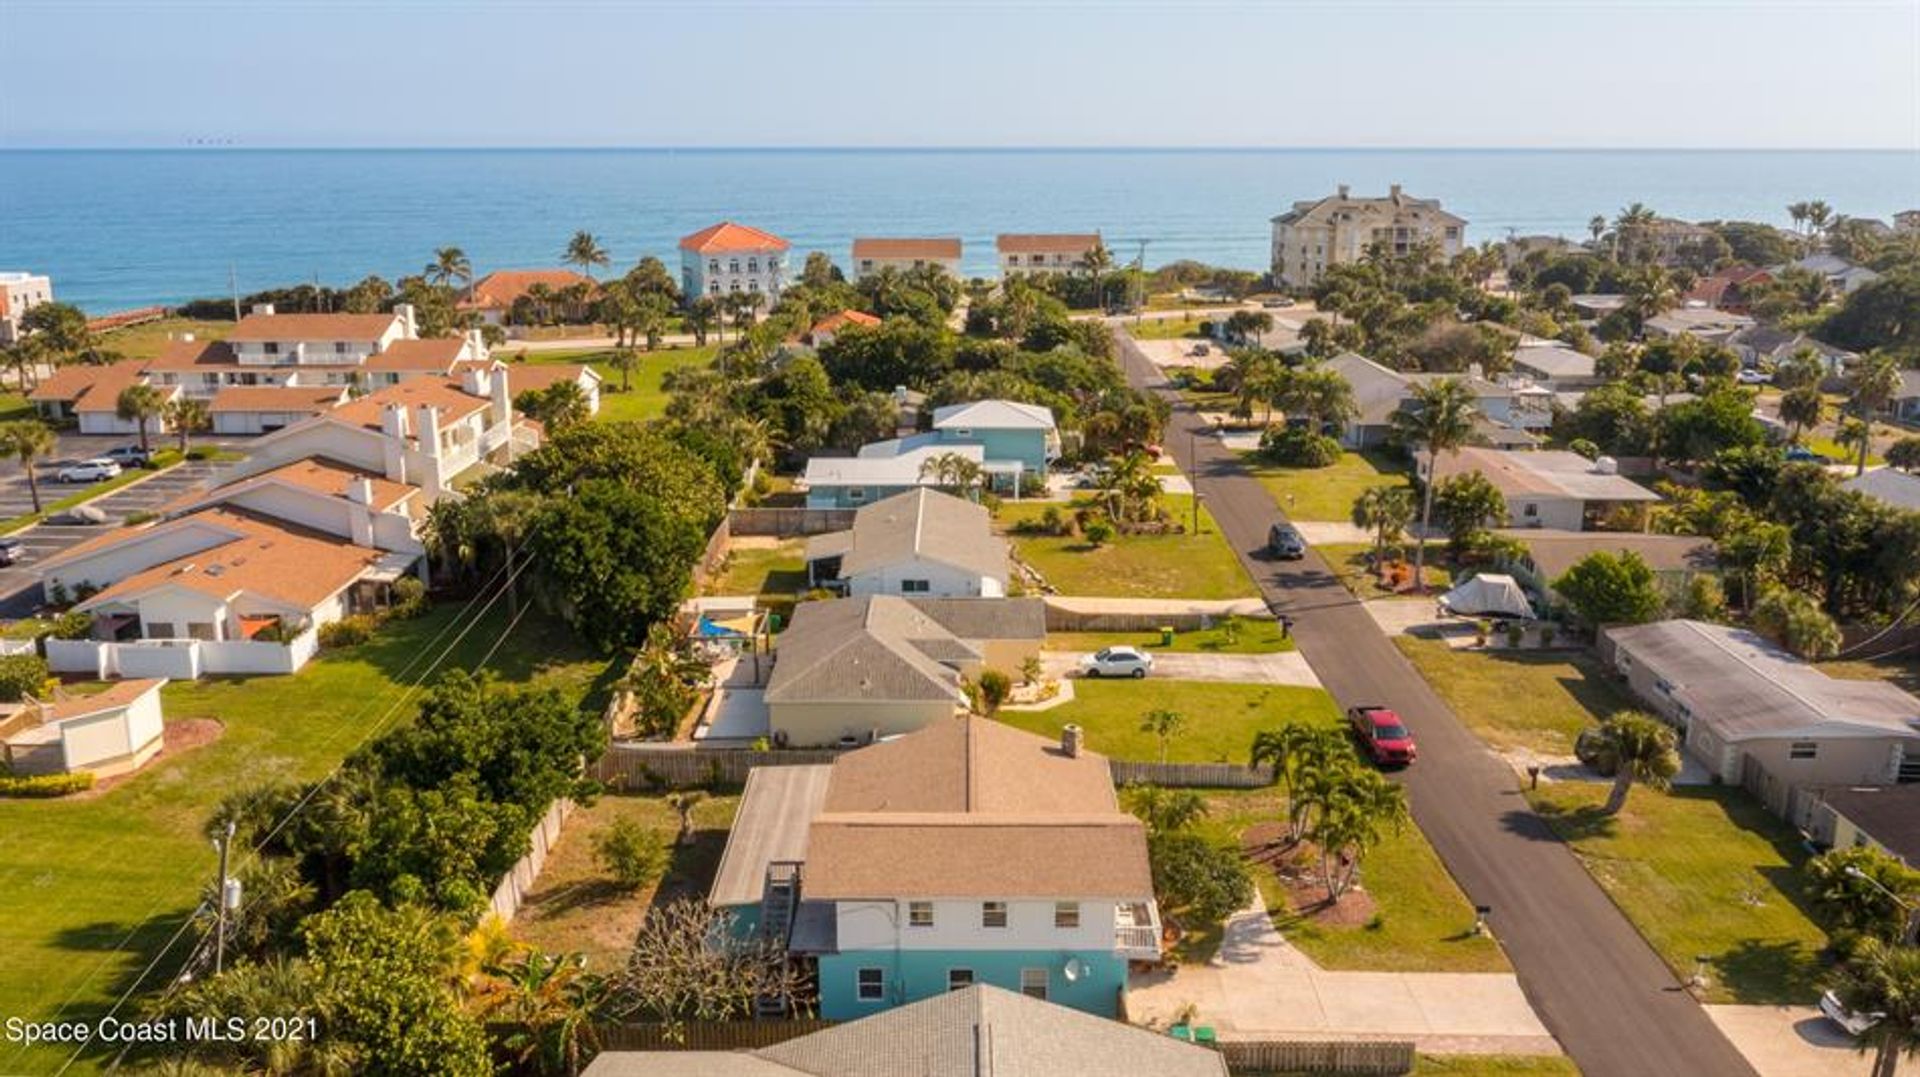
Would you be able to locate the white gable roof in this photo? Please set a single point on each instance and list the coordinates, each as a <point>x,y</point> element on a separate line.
<point>994,415</point>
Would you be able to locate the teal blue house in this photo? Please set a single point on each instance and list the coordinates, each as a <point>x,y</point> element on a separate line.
<point>964,853</point>
<point>1008,440</point>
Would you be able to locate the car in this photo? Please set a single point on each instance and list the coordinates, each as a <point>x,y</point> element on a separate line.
<point>11,550</point>
<point>1837,1012</point>
<point>89,470</point>
<point>1753,377</point>
<point>1276,302</point>
<point>129,456</point>
<point>1384,736</point>
<point>1117,662</point>
<point>1800,454</point>
<point>1285,543</point>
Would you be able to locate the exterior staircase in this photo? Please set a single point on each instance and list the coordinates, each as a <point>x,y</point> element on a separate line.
<point>779,901</point>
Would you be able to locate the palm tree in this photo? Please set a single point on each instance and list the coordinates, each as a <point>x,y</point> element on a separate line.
<point>1322,395</point>
<point>1386,511</point>
<point>683,804</point>
<point>27,440</point>
<point>1123,487</point>
<point>1885,979</point>
<point>1440,421</point>
<point>1357,807</point>
<point>1798,211</point>
<point>1163,809</point>
<point>1801,409</point>
<point>1871,382</point>
<point>1642,748</point>
<point>187,416</point>
<point>1295,751</point>
<point>449,266</point>
<point>624,359</point>
<point>1597,227</point>
<point>551,1006</point>
<point>1631,226</point>
<point>1164,724</point>
<point>952,471</point>
<point>139,404</point>
<point>1819,216</point>
<point>585,251</point>
<point>650,319</point>
<point>702,315</point>
<point>1650,293</point>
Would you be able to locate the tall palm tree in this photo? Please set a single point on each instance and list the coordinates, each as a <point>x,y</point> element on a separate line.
<point>1631,226</point>
<point>1798,211</point>
<point>1884,978</point>
<point>27,440</point>
<point>1819,216</point>
<point>702,315</point>
<point>1801,409</point>
<point>1871,382</point>
<point>1650,293</point>
<point>187,416</point>
<point>1386,511</point>
<point>1357,807</point>
<point>1642,748</point>
<point>1440,421</point>
<point>1294,751</point>
<point>584,250</point>
<point>139,404</point>
<point>449,267</point>
<point>1597,227</point>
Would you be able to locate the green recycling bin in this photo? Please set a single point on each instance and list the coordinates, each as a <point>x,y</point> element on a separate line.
<point>1166,635</point>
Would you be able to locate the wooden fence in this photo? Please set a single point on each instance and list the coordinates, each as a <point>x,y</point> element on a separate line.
<point>787,523</point>
<point>706,1035</point>
<point>519,879</point>
<point>650,765</point>
<point>1306,1056</point>
<point>714,557</point>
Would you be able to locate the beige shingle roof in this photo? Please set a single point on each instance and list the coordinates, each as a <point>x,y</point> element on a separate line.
<point>906,247</point>
<point>920,523</point>
<point>256,328</point>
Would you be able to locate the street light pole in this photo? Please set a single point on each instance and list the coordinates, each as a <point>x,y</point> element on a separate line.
<point>1910,936</point>
<point>220,901</point>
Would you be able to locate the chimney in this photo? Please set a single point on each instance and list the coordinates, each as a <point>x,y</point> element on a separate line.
<point>427,429</point>
<point>261,308</point>
<point>474,380</point>
<point>1475,370</point>
<point>393,447</point>
<point>1393,192</point>
<point>360,511</point>
<point>500,408</point>
<point>409,325</point>
<point>477,344</point>
<point>1344,189</point>
<point>1071,738</point>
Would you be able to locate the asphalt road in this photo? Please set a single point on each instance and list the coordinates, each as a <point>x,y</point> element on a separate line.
<point>1597,985</point>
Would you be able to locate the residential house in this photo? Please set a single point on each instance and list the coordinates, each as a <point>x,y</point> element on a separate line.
<point>854,669</point>
<point>19,293</point>
<point>1725,289</point>
<point>493,296</point>
<point>1888,485</point>
<point>1515,249</point>
<point>262,409</point>
<point>729,258</point>
<point>1883,817</point>
<point>871,254</point>
<point>111,732</point>
<point>1669,240</point>
<point>539,377</point>
<point>917,543</point>
<point>1703,323</point>
<point>966,852</point>
<point>1012,443</point>
<point>89,397</point>
<point>827,328</point>
<point>1757,716</point>
<point>1504,415</point>
<point>1316,235</point>
<point>1035,253</point>
<point>1555,366</point>
<point>971,1032</point>
<point>357,504</point>
<point>1905,403</point>
<point>1770,345</point>
<point>1674,559</point>
<point>894,467</point>
<point>1907,222</point>
<point>1597,304</point>
<point>1843,276</point>
<point>1553,489</point>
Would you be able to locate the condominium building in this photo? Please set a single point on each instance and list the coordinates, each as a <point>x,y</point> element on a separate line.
<point>727,258</point>
<point>871,254</point>
<point>1026,252</point>
<point>1315,235</point>
<point>18,293</point>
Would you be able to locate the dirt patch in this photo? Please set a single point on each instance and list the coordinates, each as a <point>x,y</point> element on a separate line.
<point>1296,867</point>
<point>177,738</point>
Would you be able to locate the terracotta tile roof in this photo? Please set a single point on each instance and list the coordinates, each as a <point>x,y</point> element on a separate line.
<point>498,289</point>
<point>193,355</point>
<point>331,477</point>
<point>110,380</point>
<point>833,322</point>
<point>309,399</point>
<point>78,381</point>
<point>117,694</point>
<point>255,328</point>
<point>728,236</point>
<point>1045,243</point>
<point>524,376</point>
<point>453,401</point>
<point>276,560</point>
<point>436,354</point>
<point>939,247</point>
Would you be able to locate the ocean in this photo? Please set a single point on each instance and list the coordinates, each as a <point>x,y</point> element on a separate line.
<point>125,228</point>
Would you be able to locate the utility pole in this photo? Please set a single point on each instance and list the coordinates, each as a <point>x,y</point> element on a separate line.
<point>233,285</point>
<point>223,897</point>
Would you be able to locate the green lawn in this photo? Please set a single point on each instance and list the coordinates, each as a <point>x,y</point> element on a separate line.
<point>1901,670</point>
<point>149,339</point>
<point>1247,636</point>
<point>92,887</point>
<point>1328,493</point>
<point>1221,717</point>
<point>14,406</point>
<point>1351,563</point>
<point>759,570</point>
<point>646,399</point>
<point>1702,870</point>
<point>1168,328</point>
<point>1518,699</point>
<point>1199,566</point>
<point>1495,1066</point>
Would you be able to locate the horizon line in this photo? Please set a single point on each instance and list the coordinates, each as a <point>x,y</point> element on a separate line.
<point>224,147</point>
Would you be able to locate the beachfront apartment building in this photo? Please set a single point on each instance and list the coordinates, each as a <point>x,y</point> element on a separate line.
<point>19,293</point>
<point>728,258</point>
<point>871,254</point>
<point>967,852</point>
<point>1316,235</point>
<point>1032,252</point>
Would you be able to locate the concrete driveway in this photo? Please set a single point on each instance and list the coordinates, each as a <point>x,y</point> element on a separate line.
<point>1790,1041</point>
<point>1260,987</point>
<point>1285,667</point>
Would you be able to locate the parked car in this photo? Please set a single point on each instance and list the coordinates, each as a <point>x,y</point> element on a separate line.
<point>1837,1012</point>
<point>1750,376</point>
<point>1384,736</point>
<point>1285,543</point>
<point>1276,302</point>
<point>89,470</point>
<point>11,550</point>
<point>129,456</point>
<point>1117,662</point>
<point>1800,454</point>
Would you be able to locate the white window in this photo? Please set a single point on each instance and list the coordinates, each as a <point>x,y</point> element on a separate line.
<point>915,587</point>
<point>1066,914</point>
<point>1033,983</point>
<point>959,978</point>
<point>713,265</point>
<point>870,985</point>
<point>1803,749</point>
<point>993,914</point>
<point>919,914</point>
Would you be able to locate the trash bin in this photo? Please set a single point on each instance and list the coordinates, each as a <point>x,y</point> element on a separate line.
<point>1166,635</point>
<point>773,623</point>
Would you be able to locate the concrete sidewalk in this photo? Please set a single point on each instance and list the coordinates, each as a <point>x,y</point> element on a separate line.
<point>1284,667</point>
<point>1790,1041</point>
<point>1260,987</point>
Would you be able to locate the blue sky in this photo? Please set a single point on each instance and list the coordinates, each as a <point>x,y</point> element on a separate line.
<point>1574,73</point>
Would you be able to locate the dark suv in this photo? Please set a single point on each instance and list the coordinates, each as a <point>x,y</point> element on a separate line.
<point>1285,543</point>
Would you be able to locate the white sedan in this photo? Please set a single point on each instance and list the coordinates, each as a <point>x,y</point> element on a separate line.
<point>1117,662</point>
<point>1837,1012</point>
<point>89,471</point>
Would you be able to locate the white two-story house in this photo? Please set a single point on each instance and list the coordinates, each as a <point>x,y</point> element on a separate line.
<point>728,258</point>
<point>1028,252</point>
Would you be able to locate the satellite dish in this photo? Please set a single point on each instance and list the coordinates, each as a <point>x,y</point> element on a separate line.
<point>1074,970</point>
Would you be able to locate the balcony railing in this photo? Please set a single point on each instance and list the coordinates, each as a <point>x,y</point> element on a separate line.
<point>1136,932</point>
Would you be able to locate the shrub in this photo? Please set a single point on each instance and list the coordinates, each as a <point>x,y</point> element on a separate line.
<point>1192,875</point>
<point>995,686</point>
<point>135,519</point>
<point>1298,447</point>
<point>1595,750</point>
<point>200,452</point>
<point>21,675</point>
<point>1030,669</point>
<point>347,632</point>
<point>1098,532</point>
<point>45,785</point>
<point>632,854</point>
<point>1796,621</point>
<point>409,597</point>
<point>73,625</point>
<point>1033,485</point>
